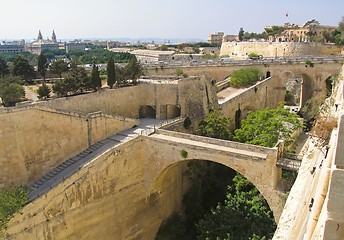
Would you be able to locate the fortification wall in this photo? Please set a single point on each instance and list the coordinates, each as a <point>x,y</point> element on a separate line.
<point>121,101</point>
<point>314,208</point>
<point>261,95</point>
<point>106,199</point>
<point>35,140</point>
<point>240,50</point>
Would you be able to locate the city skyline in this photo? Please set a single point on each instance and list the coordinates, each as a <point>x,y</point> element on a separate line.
<point>155,19</point>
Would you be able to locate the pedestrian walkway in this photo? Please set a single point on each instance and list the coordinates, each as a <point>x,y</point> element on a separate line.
<point>74,164</point>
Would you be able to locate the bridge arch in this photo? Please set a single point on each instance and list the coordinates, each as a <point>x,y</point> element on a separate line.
<point>260,168</point>
<point>307,89</point>
<point>156,187</point>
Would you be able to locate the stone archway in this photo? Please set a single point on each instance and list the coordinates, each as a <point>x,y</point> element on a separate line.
<point>147,111</point>
<point>307,89</point>
<point>268,74</point>
<point>266,183</point>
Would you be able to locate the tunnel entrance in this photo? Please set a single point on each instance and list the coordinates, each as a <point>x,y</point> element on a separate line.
<point>147,111</point>
<point>169,111</point>
<point>268,74</point>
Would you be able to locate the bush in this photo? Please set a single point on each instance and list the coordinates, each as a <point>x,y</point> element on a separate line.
<point>11,93</point>
<point>253,55</point>
<point>187,123</point>
<point>11,201</point>
<point>245,77</point>
<point>43,91</point>
<point>184,153</point>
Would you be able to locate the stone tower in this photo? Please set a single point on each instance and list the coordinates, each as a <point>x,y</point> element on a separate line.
<point>39,38</point>
<point>53,37</point>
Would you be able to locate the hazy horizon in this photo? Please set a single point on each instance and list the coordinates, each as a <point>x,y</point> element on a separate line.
<point>135,19</point>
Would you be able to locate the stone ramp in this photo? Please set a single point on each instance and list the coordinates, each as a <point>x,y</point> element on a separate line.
<point>74,164</point>
<point>69,167</point>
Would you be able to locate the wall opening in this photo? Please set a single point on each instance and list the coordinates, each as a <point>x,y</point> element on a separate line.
<point>169,111</point>
<point>147,111</point>
<point>268,74</point>
<point>307,89</point>
<point>329,84</point>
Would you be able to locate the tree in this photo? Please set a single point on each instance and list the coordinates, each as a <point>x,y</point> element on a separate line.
<point>75,82</point>
<point>22,67</point>
<point>265,127</point>
<point>181,46</point>
<point>11,93</point>
<point>111,73</point>
<point>245,214</point>
<point>163,47</point>
<point>58,67</point>
<point>43,91</point>
<point>216,126</point>
<point>245,77</point>
<point>60,88</point>
<point>241,34</point>
<point>3,67</point>
<point>133,70</point>
<point>96,82</point>
<point>42,65</point>
<point>312,25</point>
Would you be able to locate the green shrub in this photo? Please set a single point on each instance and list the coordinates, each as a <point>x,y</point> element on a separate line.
<point>11,201</point>
<point>184,153</point>
<point>245,77</point>
<point>43,91</point>
<point>187,123</point>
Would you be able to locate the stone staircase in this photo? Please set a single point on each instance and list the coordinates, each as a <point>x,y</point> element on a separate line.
<point>74,164</point>
<point>67,168</point>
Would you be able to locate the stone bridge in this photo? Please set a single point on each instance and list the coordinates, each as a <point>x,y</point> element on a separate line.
<point>129,187</point>
<point>257,164</point>
<point>313,75</point>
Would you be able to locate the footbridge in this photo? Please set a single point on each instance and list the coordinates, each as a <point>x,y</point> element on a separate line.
<point>258,164</point>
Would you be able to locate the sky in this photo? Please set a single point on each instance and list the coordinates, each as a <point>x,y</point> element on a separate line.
<point>165,19</point>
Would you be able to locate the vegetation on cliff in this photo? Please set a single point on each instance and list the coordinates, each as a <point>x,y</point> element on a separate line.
<point>11,201</point>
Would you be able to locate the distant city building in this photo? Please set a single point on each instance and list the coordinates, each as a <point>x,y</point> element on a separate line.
<point>39,44</point>
<point>216,38</point>
<point>15,47</point>
<point>74,45</point>
<point>230,38</point>
<point>300,33</point>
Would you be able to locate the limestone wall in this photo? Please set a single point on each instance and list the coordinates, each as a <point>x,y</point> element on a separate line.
<point>261,95</point>
<point>107,199</point>
<point>240,50</point>
<point>197,96</point>
<point>35,140</point>
<point>314,208</point>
